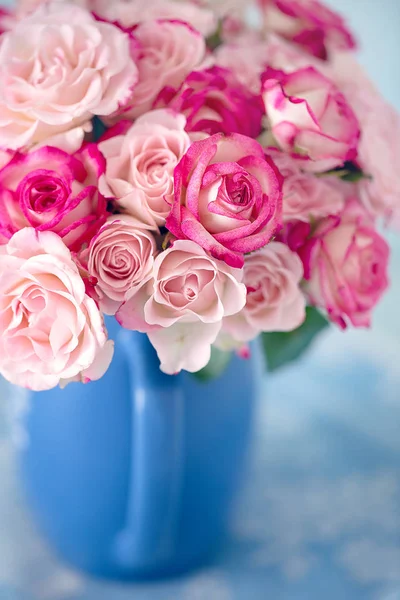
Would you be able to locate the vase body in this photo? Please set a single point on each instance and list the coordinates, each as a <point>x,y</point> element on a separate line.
<point>133,476</point>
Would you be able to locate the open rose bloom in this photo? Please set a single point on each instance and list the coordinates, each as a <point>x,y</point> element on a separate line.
<point>201,180</point>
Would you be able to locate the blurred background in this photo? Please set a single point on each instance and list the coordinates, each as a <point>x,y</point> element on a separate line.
<point>319,517</point>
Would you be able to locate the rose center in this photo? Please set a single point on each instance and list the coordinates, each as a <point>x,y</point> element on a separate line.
<point>154,164</point>
<point>42,191</point>
<point>123,262</point>
<point>255,293</point>
<point>182,289</point>
<point>30,304</point>
<point>43,196</point>
<point>239,190</point>
<point>191,288</point>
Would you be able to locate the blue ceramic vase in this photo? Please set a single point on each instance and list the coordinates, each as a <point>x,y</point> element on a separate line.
<point>134,476</point>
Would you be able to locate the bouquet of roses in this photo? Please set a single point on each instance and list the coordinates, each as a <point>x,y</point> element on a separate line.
<point>202,172</point>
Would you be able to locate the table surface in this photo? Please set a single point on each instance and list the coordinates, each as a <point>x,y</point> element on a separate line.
<point>320,515</point>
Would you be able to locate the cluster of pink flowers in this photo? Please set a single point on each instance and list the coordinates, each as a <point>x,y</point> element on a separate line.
<point>239,176</point>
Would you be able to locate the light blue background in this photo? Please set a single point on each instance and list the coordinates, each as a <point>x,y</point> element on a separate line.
<point>320,517</point>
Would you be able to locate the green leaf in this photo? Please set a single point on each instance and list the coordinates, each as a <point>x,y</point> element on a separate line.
<point>283,348</point>
<point>218,362</point>
<point>349,172</point>
<point>354,176</point>
<point>215,39</point>
<point>340,173</point>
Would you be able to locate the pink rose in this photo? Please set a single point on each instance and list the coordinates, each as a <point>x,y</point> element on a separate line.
<point>130,13</point>
<point>379,159</point>
<point>120,259</point>
<point>228,197</point>
<point>168,52</point>
<point>379,147</point>
<point>345,265</point>
<point>59,67</point>
<point>182,307</point>
<point>308,23</point>
<point>5,157</point>
<point>288,57</point>
<point>306,196</point>
<point>51,332</point>
<point>214,101</point>
<point>141,163</point>
<point>274,300</point>
<point>50,190</point>
<point>310,117</point>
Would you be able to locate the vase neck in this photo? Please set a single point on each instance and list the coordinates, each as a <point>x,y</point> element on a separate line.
<point>140,354</point>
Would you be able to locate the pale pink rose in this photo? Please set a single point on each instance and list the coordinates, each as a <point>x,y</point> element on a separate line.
<point>182,307</point>
<point>59,67</point>
<point>27,7</point>
<point>50,330</point>
<point>306,196</point>
<point>249,56</point>
<point>120,259</point>
<point>309,23</point>
<point>227,343</point>
<point>227,8</point>
<point>213,100</point>
<point>310,117</point>
<point>131,12</point>
<point>48,189</point>
<point>379,159</point>
<point>274,300</point>
<point>128,13</point>
<point>168,52</point>
<point>246,60</point>
<point>345,264</point>
<point>228,197</point>
<point>379,147</point>
<point>184,346</point>
<point>140,165</point>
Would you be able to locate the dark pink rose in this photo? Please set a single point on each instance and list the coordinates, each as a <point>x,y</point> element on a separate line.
<point>213,101</point>
<point>309,23</point>
<point>310,117</point>
<point>345,264</point>
<point>228,197</point>
<point>52,191</point>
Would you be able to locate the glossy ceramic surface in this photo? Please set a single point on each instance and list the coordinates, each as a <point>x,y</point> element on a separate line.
<point>134,475</point>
